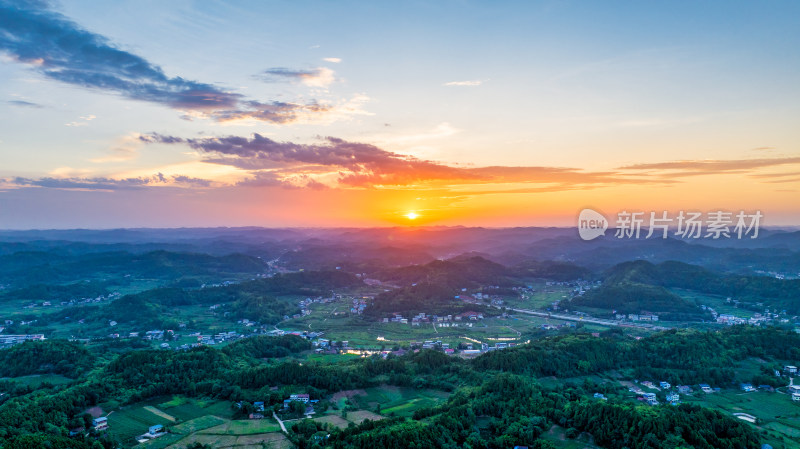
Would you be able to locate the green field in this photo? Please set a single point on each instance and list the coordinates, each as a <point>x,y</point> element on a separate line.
<point>330,358</point>
<point>716,302</point>
<point>400,401</point>
<point>776,412</point>
<point>243,427</point>
<point>557,437</point>
<point>185,409</point>
<point>221,433</point>
<point>542,296</point>
<point>131,421</point>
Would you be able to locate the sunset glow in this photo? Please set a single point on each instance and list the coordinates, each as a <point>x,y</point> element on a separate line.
<point>318,131</point>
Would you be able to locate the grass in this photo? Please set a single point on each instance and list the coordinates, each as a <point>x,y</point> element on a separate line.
<point>556,435</point>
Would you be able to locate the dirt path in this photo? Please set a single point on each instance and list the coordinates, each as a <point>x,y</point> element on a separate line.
<point>160,413</point>
<point>280,423</point>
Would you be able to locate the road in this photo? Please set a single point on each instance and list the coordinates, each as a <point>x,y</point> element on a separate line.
<point>591,320</point>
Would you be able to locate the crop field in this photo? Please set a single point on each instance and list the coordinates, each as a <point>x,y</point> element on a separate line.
<point>129,422</point>
<point>335,420</point>
<point>398,400</point>
<point>718,303</point>
<point>243,427</point>
<point>184,409</point>
<point>221,433</point>
<point>542,296</point>
<point>177,412</point>
<point>776,411</point>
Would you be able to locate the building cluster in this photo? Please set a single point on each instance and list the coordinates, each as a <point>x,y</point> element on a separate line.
<point>305,304</point>
<point>74,301</point>
<point>462,319</point>
<point>555,327</point>
<point>6,341</point>
<point>359,305</point>
<point>673,394</point>
<point>259,407</point>
<point>644,316</point>
<point>756,320</point>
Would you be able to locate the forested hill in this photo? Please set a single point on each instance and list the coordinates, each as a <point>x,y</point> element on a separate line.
<point>777,293</point>
<point>54,267</point>
<point>459,272</point>
<point>265,300</point>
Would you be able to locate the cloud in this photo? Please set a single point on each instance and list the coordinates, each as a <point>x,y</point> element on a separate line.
<point>278,179</point>
<point>675,169</point>
<point>25,104</point>
<point>84,120</point>
<point>59,49</point>
<point>356,164</point>
<point>318,77</point>
<point>333,60</point>
<point>774,175</point>
<point>471,83</point>
<point>108,184</point>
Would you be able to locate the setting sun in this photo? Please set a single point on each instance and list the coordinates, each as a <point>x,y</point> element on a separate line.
<point>412,215</point>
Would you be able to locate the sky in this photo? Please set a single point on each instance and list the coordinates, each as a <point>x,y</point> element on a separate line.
<point>251,113</point>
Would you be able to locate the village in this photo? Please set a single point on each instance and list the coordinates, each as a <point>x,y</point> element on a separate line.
<point>672,394</point>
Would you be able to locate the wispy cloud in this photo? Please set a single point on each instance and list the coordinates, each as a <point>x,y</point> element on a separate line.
<point>469,83</point>
<point>675,169</point>
<point>318,77</point>
<point>109,184</point>
<point>83,120</point>
<point>59,49</point>
<point>333,60</point>
<point>25,104</point>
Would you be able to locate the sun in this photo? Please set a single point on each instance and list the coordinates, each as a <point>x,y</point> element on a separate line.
<point>412,215</point>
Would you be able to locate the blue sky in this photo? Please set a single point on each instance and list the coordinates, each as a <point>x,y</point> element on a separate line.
<point>438,89</point>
